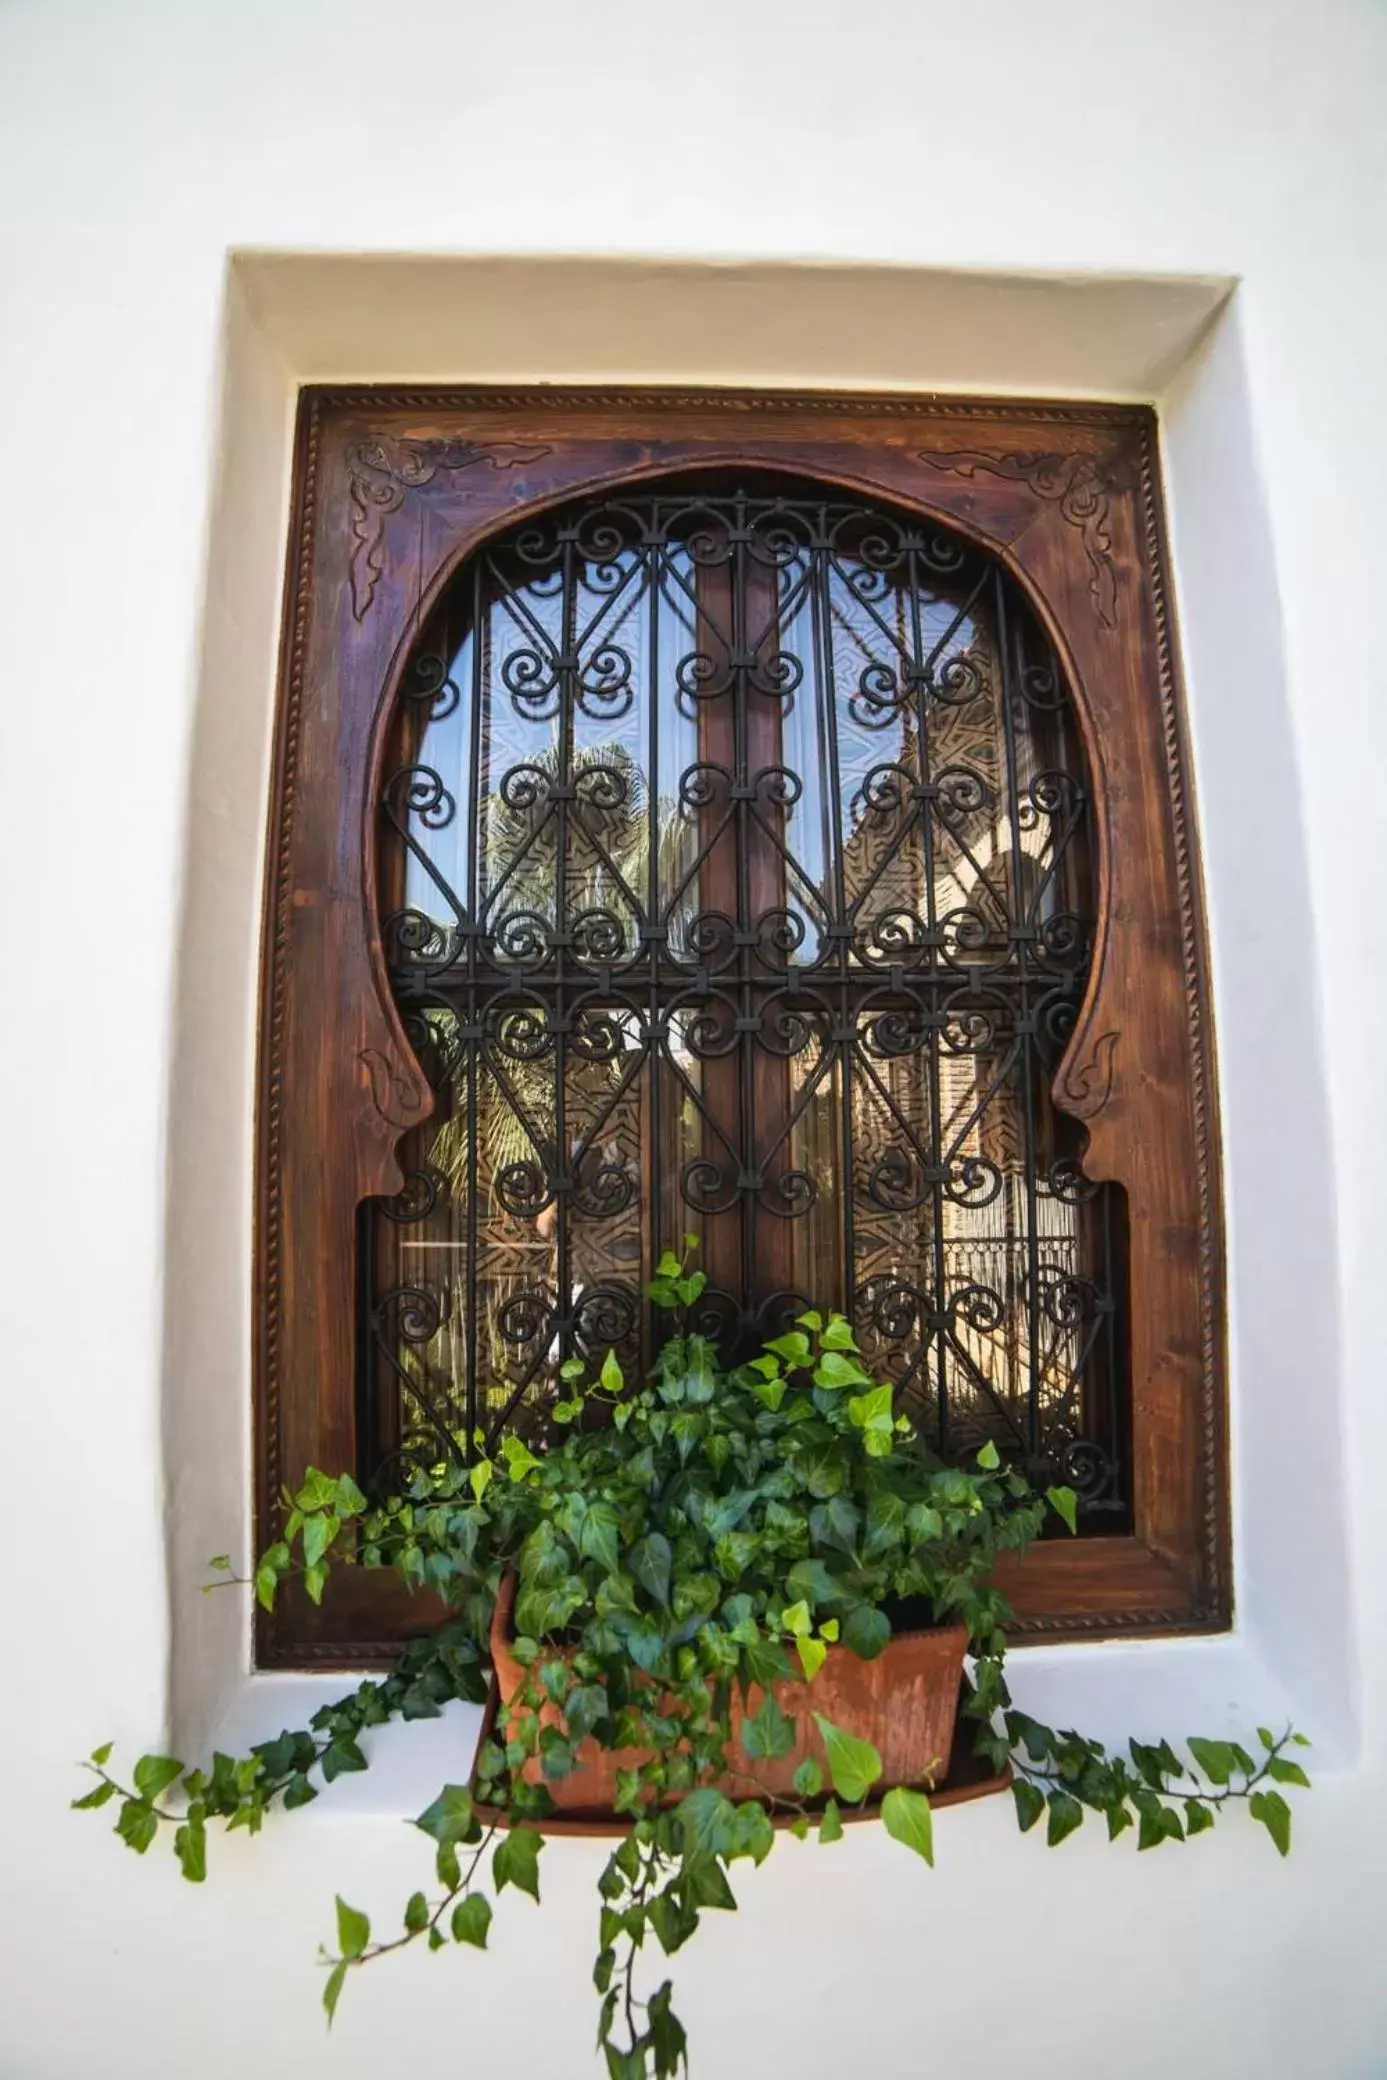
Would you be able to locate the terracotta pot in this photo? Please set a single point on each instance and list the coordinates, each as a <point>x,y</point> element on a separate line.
<point>904,1703</point>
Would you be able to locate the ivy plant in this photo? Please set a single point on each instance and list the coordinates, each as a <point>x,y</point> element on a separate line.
<point>706,1534</point>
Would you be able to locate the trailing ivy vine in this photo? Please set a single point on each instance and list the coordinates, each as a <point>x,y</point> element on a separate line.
<point>705,1535</point>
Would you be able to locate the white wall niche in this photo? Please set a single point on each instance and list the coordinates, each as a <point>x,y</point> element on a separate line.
<point>296,318</point>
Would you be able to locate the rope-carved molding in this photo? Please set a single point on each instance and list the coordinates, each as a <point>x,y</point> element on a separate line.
<point>1081,489</point>
<point>383,470</point>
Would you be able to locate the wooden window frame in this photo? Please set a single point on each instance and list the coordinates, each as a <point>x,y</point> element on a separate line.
<point>392,492</point>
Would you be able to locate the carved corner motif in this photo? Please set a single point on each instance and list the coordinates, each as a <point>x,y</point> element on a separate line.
<point>398,1099</point>
<point>384,470</point>
<point>1085,1087</point>
<point>1081,489</point>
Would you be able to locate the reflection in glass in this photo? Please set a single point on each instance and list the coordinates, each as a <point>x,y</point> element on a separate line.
<point>736,882</point>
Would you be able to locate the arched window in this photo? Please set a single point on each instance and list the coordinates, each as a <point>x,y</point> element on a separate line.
<point>765,821</point>
<point>738,884</point>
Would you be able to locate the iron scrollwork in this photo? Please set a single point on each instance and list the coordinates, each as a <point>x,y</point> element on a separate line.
<point>737,880</point>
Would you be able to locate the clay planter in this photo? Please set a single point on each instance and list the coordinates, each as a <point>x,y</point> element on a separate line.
<point>905,1703</point>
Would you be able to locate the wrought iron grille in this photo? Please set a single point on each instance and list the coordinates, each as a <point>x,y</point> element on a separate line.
<point>737,882</point>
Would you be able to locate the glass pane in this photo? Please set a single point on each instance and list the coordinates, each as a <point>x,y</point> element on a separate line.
<point>737,883</point>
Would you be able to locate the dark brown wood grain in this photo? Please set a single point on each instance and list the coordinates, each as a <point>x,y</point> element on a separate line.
<point>392,492</point>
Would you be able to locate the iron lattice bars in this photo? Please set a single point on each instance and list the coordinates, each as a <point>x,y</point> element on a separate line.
<point>737,881</point>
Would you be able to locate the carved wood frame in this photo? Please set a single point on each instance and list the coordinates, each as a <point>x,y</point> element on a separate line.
<point>393,489</point>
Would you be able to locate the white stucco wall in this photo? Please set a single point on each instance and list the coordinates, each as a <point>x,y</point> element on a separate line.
<point>139,146</point>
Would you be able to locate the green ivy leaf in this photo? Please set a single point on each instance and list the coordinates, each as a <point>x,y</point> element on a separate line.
<point>348,1498</point>
<point>318,1534</point>
<point>190,1846</point>
<point>793,1347</point>
<point>479,1477</point>
<point>96,1797</point>
<point>768,1732</point>
<point>885,1524</point>
<point>585,1709</point>
<point>472,1917</point>
<point>796,1619</point>
<point>907,1818</point>
<point>416,1914</point>
<point>765,1661</point>
<point>867,1631</point>
<point>650,1560</point>
<point>611,1376</point>
<point>519,1459</point>
<point>705,1883</point>
<point>770,1392</point>
<point>838,1369</point>
<point>853,1765</point>
<point>871,1412</point>
<point>342,1757</point>
<point>137,1825</point>
<point>831,1823</point>
<point>1065,1815</point>
<point>989,1458</point>
<point>1287,1772</point>
<point>836,1523</point>
<point>1158,1824</point>
<point>154,1773</point>
<point>808,1779</point>
<point>599,1538</point>
<point>672,1921</point>
<point>1198,1818</point>
<point>1275,1815</point>
<point>750,1831</point>
<point>838,1335</point>
<point>625,2065</point>
<point>812,1654</point>
<point>353,1929</point>
<point>1119,1818</point>
<point>516,1860</point>
<point>821,1469</point>
<point>102,1755</point>
<point>1030,1803</point>
<point>319,1490</point>
<point>333,1989</point>
<point>1215,1758</point>
<point>1065,1503</point>
<point>449,1818</point>
<point>705,1821</point>
<point>811,1582</point>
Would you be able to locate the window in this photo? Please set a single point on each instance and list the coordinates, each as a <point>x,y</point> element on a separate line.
<point>761,820</point>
